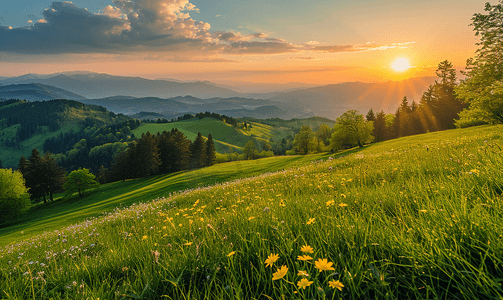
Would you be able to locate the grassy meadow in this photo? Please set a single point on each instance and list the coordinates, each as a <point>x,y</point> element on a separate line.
<point>224,135</point>
<point>413,218</point>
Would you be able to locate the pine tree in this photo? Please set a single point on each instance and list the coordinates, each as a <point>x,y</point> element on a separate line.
<point>210,151</point>
<point>54,176</point>
<point>197,153</point>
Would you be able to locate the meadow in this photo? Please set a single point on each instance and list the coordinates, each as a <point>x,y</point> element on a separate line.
<point>413,218</point>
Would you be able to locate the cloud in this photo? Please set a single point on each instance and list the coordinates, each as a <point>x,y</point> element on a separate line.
<point>126,26</point>
<point>159,28</point>
<point>313,46</point>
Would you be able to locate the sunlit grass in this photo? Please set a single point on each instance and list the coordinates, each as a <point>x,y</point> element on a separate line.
<point>415,218</point>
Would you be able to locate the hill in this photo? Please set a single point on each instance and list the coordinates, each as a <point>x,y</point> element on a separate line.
<point>36,92</point>
<point>96,85</point>
<point>416,217</point>
<point>333,100</point>
<point>178,106</point>
<point>26,125</point>
<point>225,135</point>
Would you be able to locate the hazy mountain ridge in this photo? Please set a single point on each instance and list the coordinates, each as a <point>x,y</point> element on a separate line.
<point>95,85</point>
<point>177,98</point>
<point>332,100</point>
<point>36,92</point>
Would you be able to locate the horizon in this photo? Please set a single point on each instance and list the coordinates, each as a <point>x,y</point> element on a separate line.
<point>318,43</point>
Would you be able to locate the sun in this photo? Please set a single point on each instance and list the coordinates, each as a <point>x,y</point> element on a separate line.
<point>400,64</point>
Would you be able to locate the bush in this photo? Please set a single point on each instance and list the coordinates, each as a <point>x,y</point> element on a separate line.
<point>14,197</point>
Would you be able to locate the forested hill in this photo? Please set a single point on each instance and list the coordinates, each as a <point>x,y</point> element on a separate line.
<point>26,125</point>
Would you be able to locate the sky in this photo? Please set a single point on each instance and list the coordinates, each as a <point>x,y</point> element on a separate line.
<point>270,41</point>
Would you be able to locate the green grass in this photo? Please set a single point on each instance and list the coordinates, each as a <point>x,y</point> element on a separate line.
<point>64,212</point>
<point>413,218</point>
<point>224,135</point>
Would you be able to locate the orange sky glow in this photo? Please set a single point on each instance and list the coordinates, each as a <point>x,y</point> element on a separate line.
<point>351,43</point>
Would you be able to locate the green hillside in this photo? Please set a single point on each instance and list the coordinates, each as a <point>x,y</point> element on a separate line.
<point>26,125</point>
<point>224,135</point>
<point>412,218</point>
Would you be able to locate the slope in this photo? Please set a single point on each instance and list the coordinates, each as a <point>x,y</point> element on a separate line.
<point>26,125</point>
<point>418,221</point>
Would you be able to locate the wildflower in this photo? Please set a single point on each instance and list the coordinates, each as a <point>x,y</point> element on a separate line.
<point>330,203</point>
<point>280,273</point>
<point>423,211</point>
<point>271,259</point>
<point>145,237</point>
<point>251,218</point>
<point>311,221</point>
<point>323,265</point>
<point>302,273</point>
<point>343,205</point>
<point>336,284</point>
<point>231,254</point>
<point>303,283</point>
<point>307,249</point>
<point>188,244</point>
<point>304,257</point>
<point>156,255</point>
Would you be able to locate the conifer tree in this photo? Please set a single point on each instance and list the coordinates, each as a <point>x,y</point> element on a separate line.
<point>197,153</point>
<point>210,151</point>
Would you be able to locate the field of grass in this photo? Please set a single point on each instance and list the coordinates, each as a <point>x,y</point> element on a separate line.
<point>414,218</point>
<point>65,212</point>
<point>224,135</point>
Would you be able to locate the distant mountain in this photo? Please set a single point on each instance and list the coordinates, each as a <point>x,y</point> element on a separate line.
<point>177,106</point>
<point>95,85</point>
<point>36,92</point>
<point>333,100</point>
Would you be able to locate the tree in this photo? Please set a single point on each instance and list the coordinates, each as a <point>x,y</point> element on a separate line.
<point>370,115</point>
<point>144,156</point>
<point>324,133</point>
<point>33,174</point>
<point>379,131</point>
<point>54,176</point>
<point>302,140</point>
<point>482,88</point>
<point>351,129</point>
<point>14,197</point>
<point>210,151</point>
<point>197,153</point>
<point>80,181</point>
<point>439,105</point>
<point>249,150</point>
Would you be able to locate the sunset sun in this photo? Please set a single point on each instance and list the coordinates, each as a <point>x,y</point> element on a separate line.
<point>400,64</point>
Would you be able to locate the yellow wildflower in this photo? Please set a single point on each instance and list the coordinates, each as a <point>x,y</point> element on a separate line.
<point>330,203</point>
<point>307,249</point>
<point>145,237</point>
<point>188,244</point>
<point>343,205</point>
<point>302,273</point>
<point>323,265</point>
<point>336,284</point>
<point>271,259</point>
<point>304,257</point>
<point>280,273</point>
<point>311,221</point>
<point>251,218</point>
<point>303,283</point>
<point>231,254</point>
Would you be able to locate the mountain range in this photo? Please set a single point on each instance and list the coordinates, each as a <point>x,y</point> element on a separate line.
<point>131,95</point>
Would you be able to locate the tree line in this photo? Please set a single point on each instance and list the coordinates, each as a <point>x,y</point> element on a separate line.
<point>207,114</point>
<point>166,152</point>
